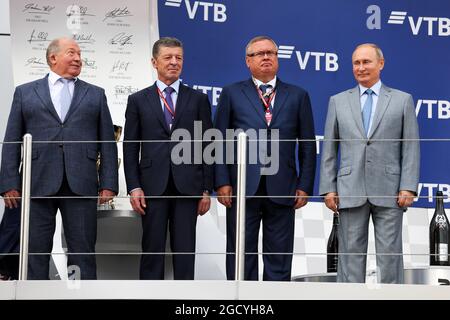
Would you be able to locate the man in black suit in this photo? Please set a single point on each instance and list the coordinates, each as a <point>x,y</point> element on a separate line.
<point>61,108</point>
<point>179,191</point>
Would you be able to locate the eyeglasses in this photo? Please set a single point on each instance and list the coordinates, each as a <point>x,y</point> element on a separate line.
<point>262,54</point>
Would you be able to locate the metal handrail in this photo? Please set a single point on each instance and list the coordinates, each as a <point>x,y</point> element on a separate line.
<point>240,206</point>
<point>25,207</point>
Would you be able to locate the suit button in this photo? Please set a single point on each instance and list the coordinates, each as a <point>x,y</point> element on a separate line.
<point>62,126</point>
<point>369,142</point>
<point>60,145</point>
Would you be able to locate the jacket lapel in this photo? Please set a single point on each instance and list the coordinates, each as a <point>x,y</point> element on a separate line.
<point>155,105</point>
<point>79,92</point>
<point>280,99</point>
<point>184,95</point>
<point>43,93</point>
<point>252,95</point>
<point>355,106</point>
<point>382,104</point>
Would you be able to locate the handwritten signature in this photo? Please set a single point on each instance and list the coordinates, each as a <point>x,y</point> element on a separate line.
<point>38,36</point>
<point>74,10</point>
<point>118,12</point>
<point>83,38</point>
<point>120,65</point>
<point>89,63</point>
<point>34,61</point>
<point>34,8</point>
<point>121,38</point>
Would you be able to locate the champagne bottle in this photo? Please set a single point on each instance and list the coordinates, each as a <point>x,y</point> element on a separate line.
<point>332,246</point>
<point>439,234</point>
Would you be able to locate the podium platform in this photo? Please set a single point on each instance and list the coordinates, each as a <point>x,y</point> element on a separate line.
<point>433,275</point>
<point>215,290</point>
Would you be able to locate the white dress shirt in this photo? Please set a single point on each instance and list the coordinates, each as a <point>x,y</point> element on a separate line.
<point>55,86</point>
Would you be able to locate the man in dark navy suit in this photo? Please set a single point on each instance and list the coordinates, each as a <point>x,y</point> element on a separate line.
<point>270,109</point>
<point>179,190</point>
<point>61,108</point>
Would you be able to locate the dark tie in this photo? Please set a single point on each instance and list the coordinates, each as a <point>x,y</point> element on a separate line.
<point>65,99</point>
<point>167,114</point>
<point>266,91</point>
<point>367,111</point>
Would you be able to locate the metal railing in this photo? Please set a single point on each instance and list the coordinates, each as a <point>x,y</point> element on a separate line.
<point>240,204</point>
<point>25,209</point>
<point>240,207</point>
<point>240,212</point>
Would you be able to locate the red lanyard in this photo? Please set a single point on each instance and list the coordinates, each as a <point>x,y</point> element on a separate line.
<point>165,103</point>
<point>266,103</point>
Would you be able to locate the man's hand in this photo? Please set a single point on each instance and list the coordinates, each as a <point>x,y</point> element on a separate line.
<point>105,195</point>
<point>10,198</point>
<point>138,202</point>
<point>301,199</point>
<point>224,194</point>
<point>204,204</point>
<point>332,201</point>
<point>405,198</point>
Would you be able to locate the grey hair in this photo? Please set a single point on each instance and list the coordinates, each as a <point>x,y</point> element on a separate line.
<point>257,39</point>
<point>54,47</point>
<point>378,51</point>
<point>165,42</point>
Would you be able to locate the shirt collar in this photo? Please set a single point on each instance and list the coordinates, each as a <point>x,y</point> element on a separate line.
<point>272,82</point>
<point>54,77</point>
<point>175,85</point>
<point>375,88</point>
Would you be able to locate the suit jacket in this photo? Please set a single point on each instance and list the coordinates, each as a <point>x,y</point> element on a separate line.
<point>88,119</point>
<point>148,164</point>
<point>370,169</point>
<point>241,108</point>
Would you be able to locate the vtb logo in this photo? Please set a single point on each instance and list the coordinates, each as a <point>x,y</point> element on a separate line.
<point>433,25</point>
<point>430,26</point>
<point>218,10</point>
<point>327,61</point>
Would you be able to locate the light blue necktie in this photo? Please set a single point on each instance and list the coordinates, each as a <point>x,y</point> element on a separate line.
<point>367,111</point>
<point>65,98</point>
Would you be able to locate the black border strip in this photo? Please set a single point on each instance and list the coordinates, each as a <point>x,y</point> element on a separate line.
<point>5,34</point>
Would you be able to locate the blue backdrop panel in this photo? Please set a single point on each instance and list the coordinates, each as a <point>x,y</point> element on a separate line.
<point>317,39</point>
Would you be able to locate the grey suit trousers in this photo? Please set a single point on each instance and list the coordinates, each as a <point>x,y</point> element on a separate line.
<point>353,240</point>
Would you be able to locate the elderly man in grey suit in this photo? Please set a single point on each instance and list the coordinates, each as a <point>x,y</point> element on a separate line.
<point>374,130</point>
<point>58,109</point>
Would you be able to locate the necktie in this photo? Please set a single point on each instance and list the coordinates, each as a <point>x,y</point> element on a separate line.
<point>367,111</point>
<point>266,93</point>
<point>169,116</point>
<point>65,99</point>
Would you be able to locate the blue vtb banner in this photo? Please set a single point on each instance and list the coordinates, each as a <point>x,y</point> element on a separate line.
<point>316,40</point>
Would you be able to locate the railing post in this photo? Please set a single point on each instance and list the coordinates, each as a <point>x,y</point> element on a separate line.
<point>240,206</point>
<point>25,206</point>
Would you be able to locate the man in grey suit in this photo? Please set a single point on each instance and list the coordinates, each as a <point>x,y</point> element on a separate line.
<point>57,109</point>
<point>374,129</point>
